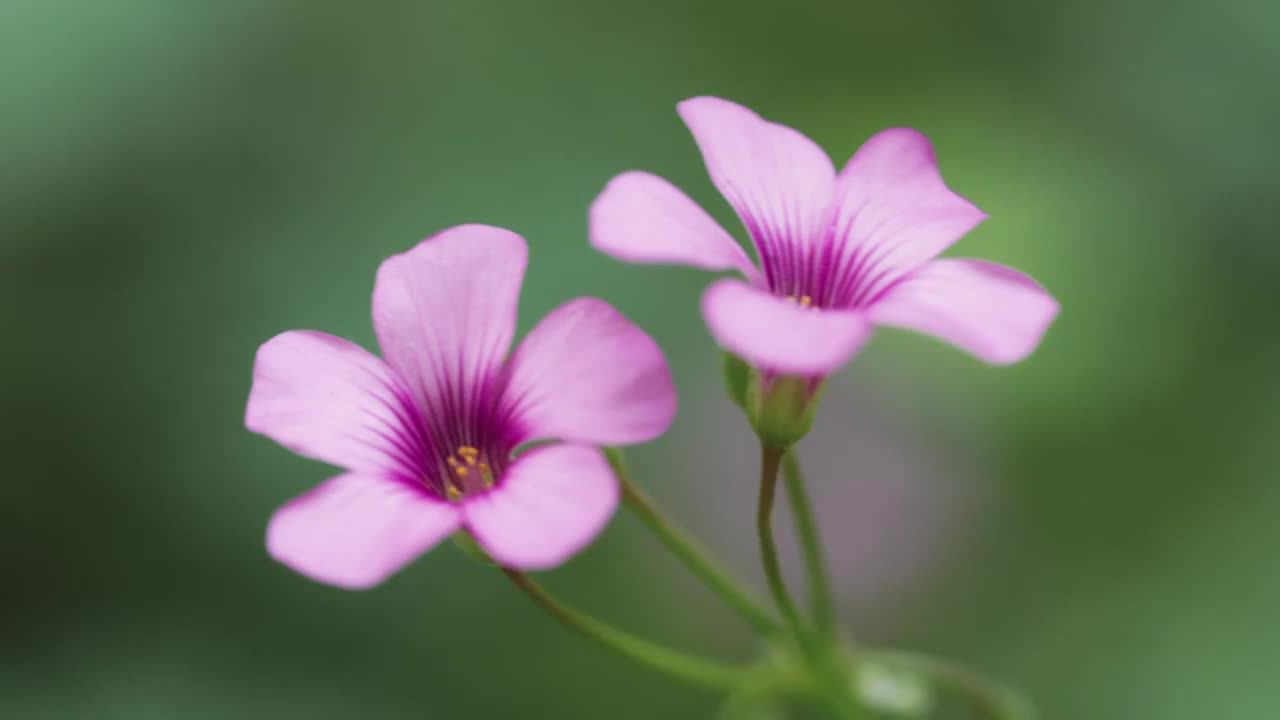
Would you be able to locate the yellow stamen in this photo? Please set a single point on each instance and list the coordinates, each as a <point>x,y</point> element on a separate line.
<point>462,472</point>
<point>805,300</point>
<point>454,493</point>
<point>468,451</point>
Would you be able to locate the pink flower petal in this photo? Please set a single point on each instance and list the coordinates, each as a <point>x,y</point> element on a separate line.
<point>893,212</point>
<point>354,531</point>
<point>992,311</point>
<point>642,218</point>
<point>779,181</point>
<point>776,334</point>
<point>331,400</point>
<point>551,503</point>
<point>445,313</point>
<point>586,374</point>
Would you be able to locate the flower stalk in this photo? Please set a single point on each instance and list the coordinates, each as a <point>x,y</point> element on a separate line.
<point>687,668</point>
<point>770,461</point>
<point>820,651</point>
<point>691,552</point>
<point>811,544</point>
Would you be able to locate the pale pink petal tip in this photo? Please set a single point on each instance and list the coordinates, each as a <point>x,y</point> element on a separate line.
<point>445,311</point>
<point>892,203</point>
<point>780,335</point>
<point>327,399</point>
<point>587,374</point>
<point>354,531</point>
<point>642,218</point>
<point>552,502</point>
<point>994,312</point>
<point>778,181</point>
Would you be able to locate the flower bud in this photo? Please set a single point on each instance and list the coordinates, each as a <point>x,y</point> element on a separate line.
<point>780,408</point>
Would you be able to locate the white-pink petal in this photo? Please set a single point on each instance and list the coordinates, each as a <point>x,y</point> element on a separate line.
<point>780,335</point>
<point>893,212</point>
<point>551,503</point>
<point>990,310</point>
<point>354,531</point>
<point>445,312</point>
<point>642,218</point>
<point>331,400</point>
<point>779,181</point>
<point>585,373</point>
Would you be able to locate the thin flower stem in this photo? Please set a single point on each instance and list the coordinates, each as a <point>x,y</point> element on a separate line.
<point>688,668</point>
<point>770,459</point>
<point>802,511</point>
<point>993,699</point>
<point>819,655</point>
<point>691,552</point>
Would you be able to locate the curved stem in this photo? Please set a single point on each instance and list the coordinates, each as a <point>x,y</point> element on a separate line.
<point>770,459</point>
<point>691,552</point>
<point>996,701</point>
<point>802,511</point>
<point>690,669</point>
<point>820,656</point>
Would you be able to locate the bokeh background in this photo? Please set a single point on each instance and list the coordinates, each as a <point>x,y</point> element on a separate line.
<point>180,181</point>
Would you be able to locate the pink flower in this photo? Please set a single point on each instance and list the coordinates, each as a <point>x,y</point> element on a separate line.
<point>838,252</point>
<point>426,434</point>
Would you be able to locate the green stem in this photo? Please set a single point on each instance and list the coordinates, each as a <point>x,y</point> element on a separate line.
<point>820,656</point>
<point>690,669</point>
<point>995,700</point>
<point>770,459</point>
<point>802,511</point>
<point>691,552</point>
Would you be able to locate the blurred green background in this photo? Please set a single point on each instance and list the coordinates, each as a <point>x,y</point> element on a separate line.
<point>180,181</point>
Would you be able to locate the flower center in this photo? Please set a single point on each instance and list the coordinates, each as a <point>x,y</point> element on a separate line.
<point>468,473</point>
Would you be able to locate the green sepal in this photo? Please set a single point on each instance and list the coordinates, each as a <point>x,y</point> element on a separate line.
<point>782,410</point>
<point>737,378</point>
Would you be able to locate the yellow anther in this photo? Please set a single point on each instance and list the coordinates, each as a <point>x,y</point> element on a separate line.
<point>467,451</point>
<point>453,462</point>
<point>805,300</point>
<point>462,472</point>
<point>471,460</point>
<point>454,493</point>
